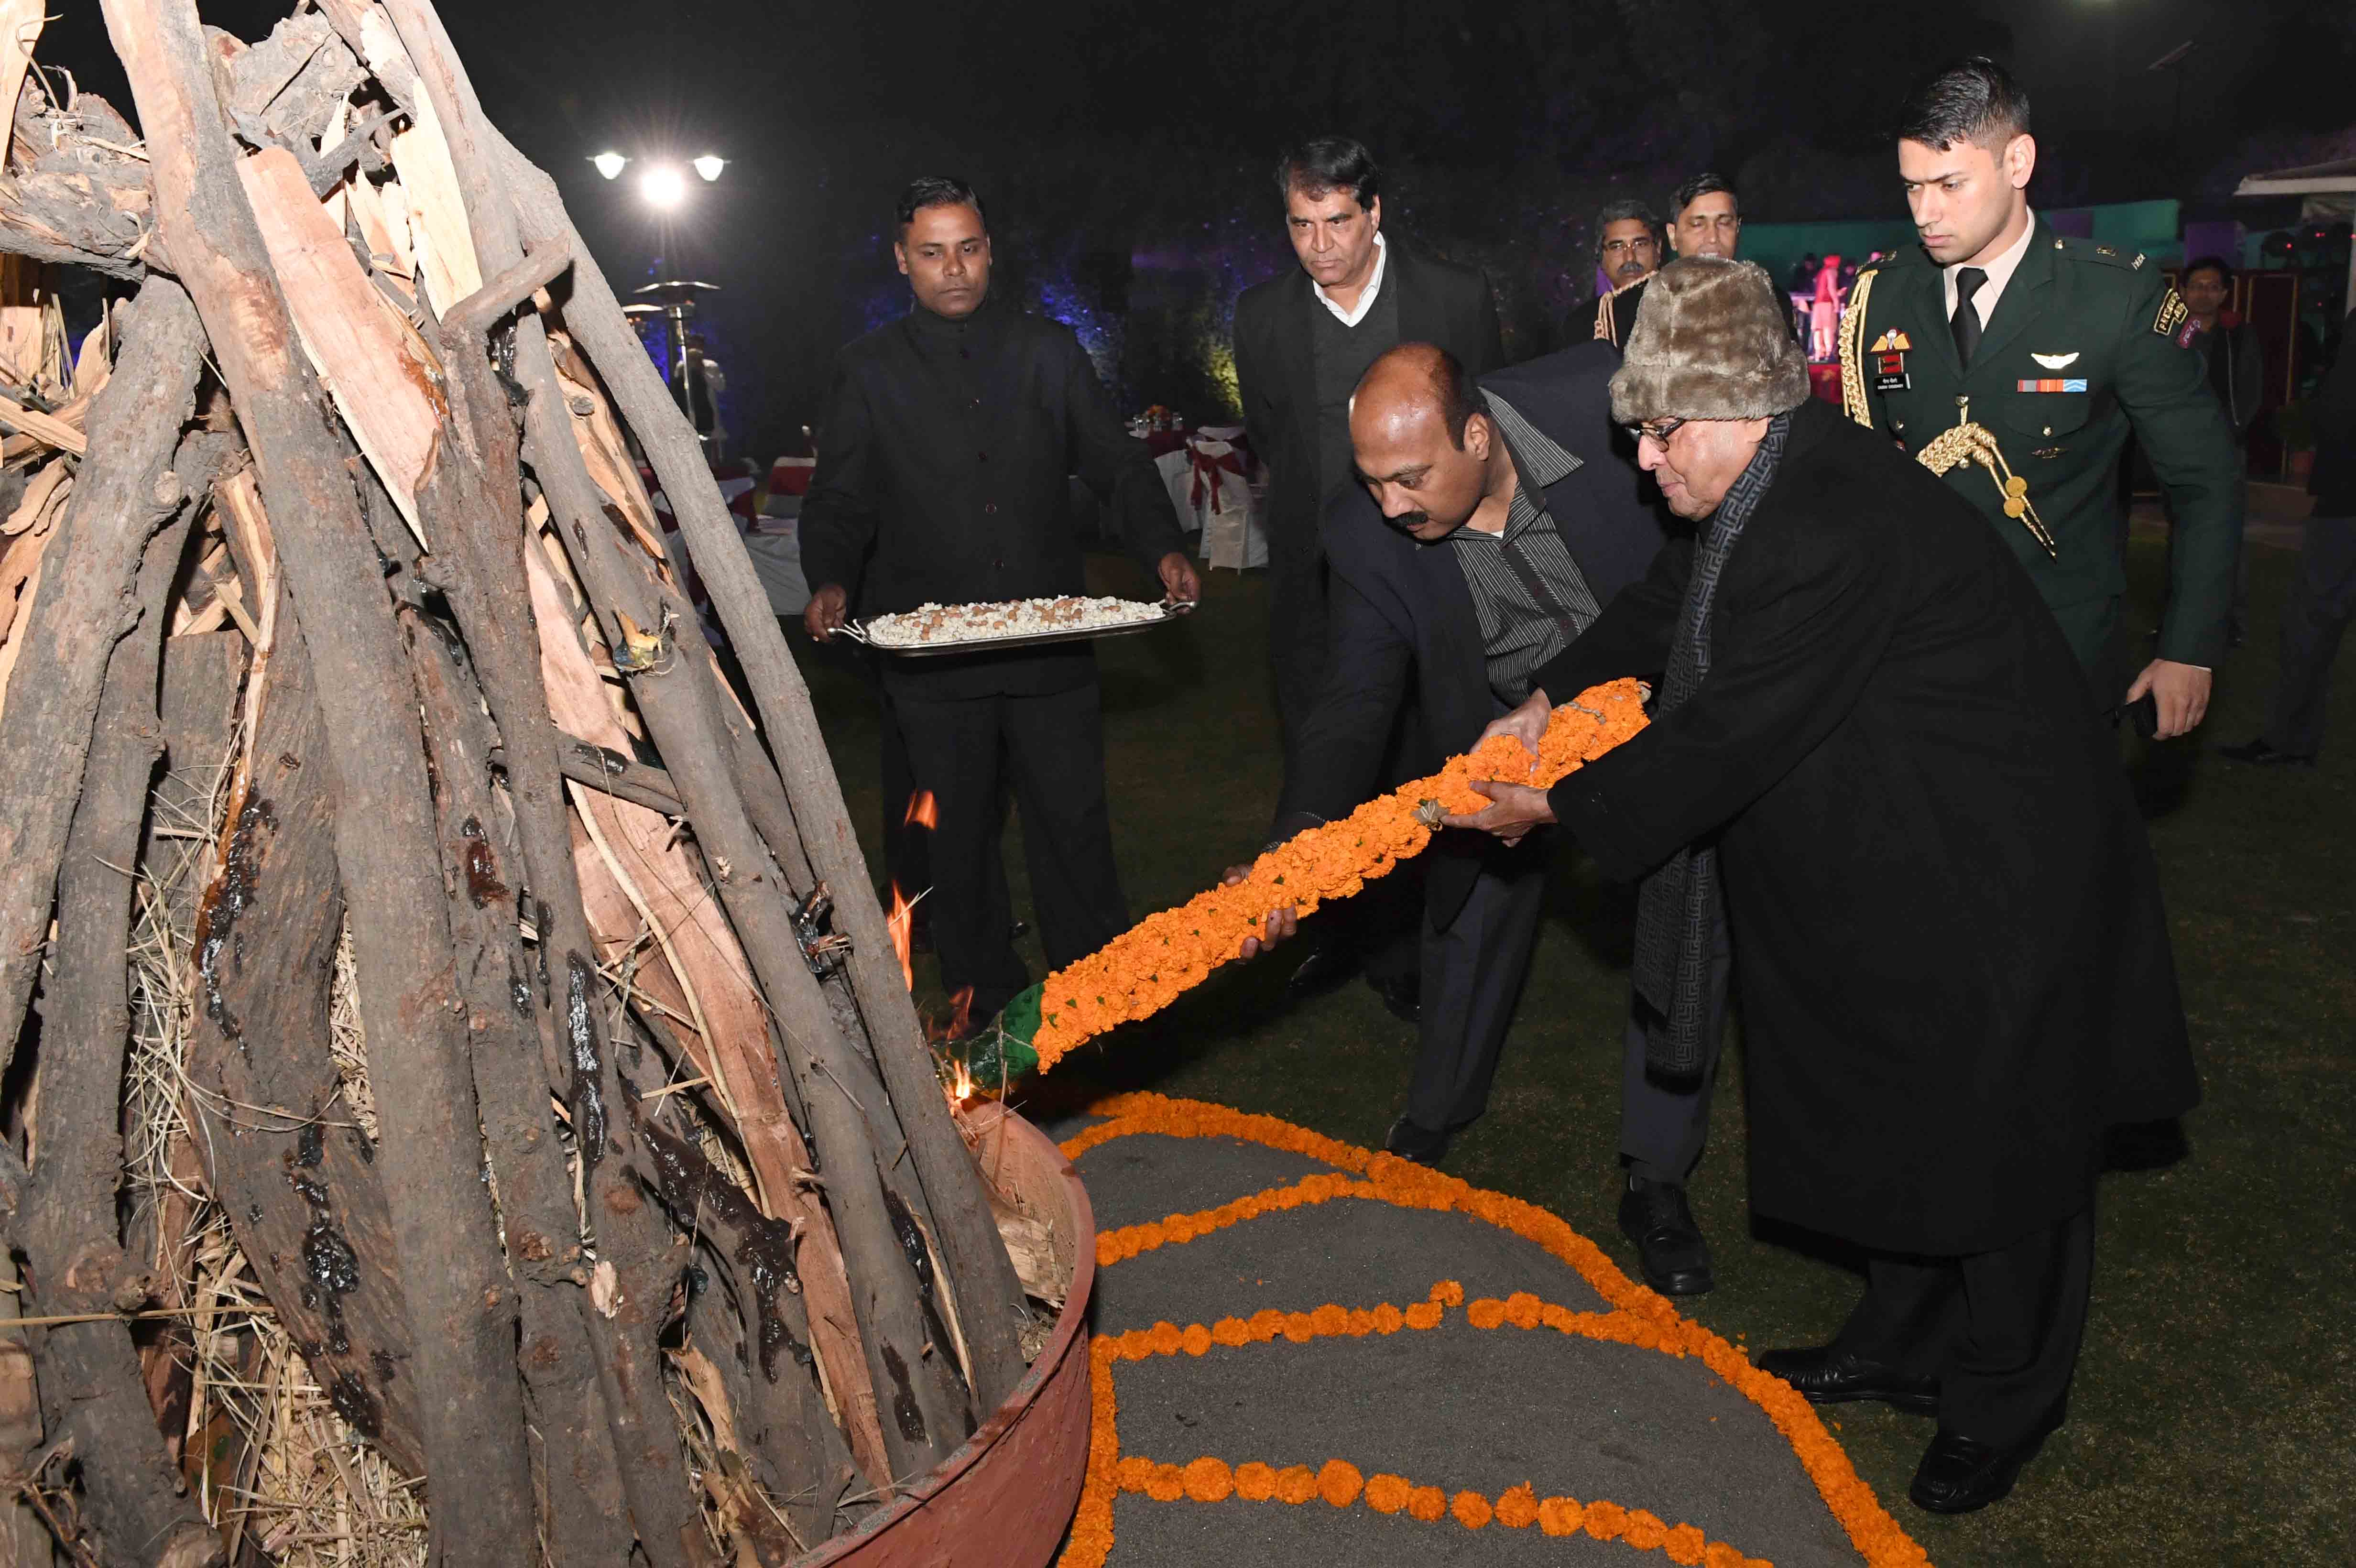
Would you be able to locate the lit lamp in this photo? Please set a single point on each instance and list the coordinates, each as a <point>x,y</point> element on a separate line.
<point>709,166</point>
<point>663,187</point>
<point>610,165</point>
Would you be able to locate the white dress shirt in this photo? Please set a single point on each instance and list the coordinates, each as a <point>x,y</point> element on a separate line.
<point>1357,313</point>
<point>1999,270</point>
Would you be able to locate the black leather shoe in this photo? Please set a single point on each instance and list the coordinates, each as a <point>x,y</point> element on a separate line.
<point>2264,756</point>
<point>1959,1474</point>
<point>1421,1144</point>
<point>1328,965</point>
<point>1402,994</point>
<point>1827,1376</point>
<point>1669,1246</point>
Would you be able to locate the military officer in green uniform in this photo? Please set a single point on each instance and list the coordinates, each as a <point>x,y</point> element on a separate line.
<point>2015,360</point>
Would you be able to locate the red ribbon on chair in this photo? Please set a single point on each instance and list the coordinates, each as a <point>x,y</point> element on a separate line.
<point>1207,466</point>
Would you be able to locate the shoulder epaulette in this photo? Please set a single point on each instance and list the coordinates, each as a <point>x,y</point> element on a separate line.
<point>2100,255</point>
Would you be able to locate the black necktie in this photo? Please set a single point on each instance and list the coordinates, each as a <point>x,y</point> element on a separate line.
<point>1967,323</point>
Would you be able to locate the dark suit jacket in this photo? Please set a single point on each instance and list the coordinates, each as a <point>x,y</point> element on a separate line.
<point>942,477</point>
<point>1438,302</point>
<point>1948,935</point>
<point>1402,606</point>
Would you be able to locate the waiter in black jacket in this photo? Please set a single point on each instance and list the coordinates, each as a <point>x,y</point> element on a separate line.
<point>1493,524</point>
<point>950,434</point>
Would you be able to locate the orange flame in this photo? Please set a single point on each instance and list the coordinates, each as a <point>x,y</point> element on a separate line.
<point>923,811</point>
<point>962,1089</point>
<point>901,923</point>
<point>961,1011</point>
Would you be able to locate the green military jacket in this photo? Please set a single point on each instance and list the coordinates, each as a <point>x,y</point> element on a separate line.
<point>2082,346</point>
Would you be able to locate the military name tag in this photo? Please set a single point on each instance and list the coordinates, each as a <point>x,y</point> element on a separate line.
<point>2173,311</point>
<point>1890,371</point>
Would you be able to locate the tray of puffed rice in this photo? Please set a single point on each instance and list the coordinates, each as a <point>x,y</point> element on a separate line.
<point>932,629</point>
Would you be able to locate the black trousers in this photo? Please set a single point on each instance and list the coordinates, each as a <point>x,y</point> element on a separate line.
<point>907,846</point>
<point>1473,968</point>
<point>2000,1330</point>
<point>1047,752</point>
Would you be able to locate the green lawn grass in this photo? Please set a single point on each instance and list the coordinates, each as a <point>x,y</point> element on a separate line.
<point>2211,1415</point>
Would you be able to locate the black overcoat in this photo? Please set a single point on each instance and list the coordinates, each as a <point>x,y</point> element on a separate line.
<point>1948,939</point>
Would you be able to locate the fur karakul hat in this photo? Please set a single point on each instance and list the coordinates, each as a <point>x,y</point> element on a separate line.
<point>1712,341</point>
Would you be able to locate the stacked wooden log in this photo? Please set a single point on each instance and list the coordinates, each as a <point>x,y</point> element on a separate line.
<point>413,947</point>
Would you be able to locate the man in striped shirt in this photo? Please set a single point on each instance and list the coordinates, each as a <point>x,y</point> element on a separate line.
<point>1490,524</point>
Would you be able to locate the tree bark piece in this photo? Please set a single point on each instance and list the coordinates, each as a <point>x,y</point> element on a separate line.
<point>460,1298</point>
<point>296,1179</point>
<point>730,1019</point>
<point>121,498</point>
<point>93,1391</point>
<point>586,1518</point>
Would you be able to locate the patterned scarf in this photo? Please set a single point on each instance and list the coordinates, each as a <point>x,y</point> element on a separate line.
<point>1680,901</point>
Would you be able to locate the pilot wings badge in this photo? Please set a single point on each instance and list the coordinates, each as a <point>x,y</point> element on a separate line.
<point>2056,361</point>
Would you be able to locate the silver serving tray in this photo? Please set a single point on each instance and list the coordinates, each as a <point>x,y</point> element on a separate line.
<point>1171,611</point>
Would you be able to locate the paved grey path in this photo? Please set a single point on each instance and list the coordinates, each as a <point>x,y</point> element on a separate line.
<point>1456,1406</point>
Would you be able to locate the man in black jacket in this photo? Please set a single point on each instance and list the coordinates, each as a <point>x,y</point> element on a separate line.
<point>1871,751</point>
<point>1302,342</point>
<point>1493,524</point>
<point>949,437</point>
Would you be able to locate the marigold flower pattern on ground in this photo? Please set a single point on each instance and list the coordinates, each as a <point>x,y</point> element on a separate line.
<point>1638,1317</point>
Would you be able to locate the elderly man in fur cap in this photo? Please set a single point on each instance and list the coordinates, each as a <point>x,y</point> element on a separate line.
<point>1877,755</point>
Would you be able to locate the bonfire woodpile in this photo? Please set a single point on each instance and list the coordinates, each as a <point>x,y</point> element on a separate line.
<point>461,1102</point>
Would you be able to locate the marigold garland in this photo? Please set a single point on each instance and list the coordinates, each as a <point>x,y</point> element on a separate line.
<point>1639,1318</point>
<point>1144,969</point>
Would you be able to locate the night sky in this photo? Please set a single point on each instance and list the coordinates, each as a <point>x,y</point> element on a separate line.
<point>1117,143</point>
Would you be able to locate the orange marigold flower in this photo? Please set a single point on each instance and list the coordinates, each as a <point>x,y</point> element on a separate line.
<point>1255,1482</point>
<point>1267,1323</point>
<point>1522,1309</point>
<point>1448,1293</point>
<point>1685,1545</point>
<point>1486,1313</point>
<point>1423,1315</point>
<point>1722,1555</point>
<point>1389,1319</point>
<point>1231,1332</point>
<point>1133,1472</point>
<point>1338,1482</point>
<point>1560,1516</point>
<point>1329,1319</point>
<point>1196,1339</point>
<point>1472,1509</point>
<point>1209,1480</point>
<point>1136,1345</point>
<point>1427,1503</point>
<point>1166,1485</point>
<point>1165,1338</point>
<point>1645,1531</point>
<point>1298,1327</point>
<point>1518,1508</point>
<point>1606,1521</point>
<point>1387,1493</point>
<point>1296,1484</point>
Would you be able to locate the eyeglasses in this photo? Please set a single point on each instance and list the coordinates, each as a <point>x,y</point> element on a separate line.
<point>1658,430</point>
